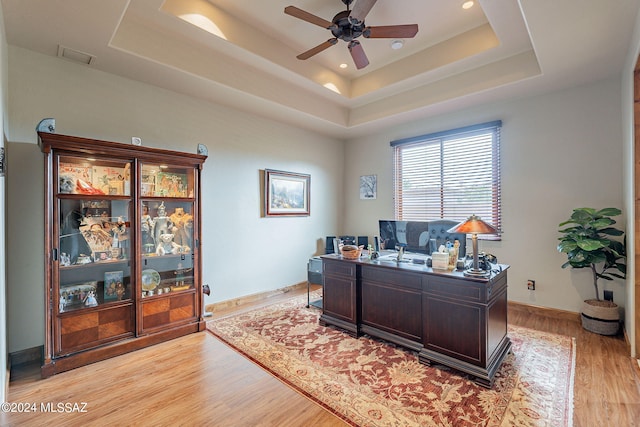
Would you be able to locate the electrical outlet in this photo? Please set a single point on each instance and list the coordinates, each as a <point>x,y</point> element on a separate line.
<point>531,285</point>
<point>608,295</point>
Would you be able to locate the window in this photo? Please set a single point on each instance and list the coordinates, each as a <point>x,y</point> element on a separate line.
<point>449,175</point>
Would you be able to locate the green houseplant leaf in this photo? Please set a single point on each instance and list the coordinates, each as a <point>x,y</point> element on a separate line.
<point>587,244</point>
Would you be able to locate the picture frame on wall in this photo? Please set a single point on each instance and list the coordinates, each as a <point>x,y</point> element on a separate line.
<point>368,187</point>
<point>286,193</point>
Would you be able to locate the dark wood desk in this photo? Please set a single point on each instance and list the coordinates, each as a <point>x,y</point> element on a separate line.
<point>450,319</point>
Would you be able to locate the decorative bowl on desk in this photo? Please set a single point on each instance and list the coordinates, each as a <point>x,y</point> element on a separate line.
<point>351,251</point>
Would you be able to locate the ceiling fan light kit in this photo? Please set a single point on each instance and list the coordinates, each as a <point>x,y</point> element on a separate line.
<point>397,44</point>
<point>348,25</point>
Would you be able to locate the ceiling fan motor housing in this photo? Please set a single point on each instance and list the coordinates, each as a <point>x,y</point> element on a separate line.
<point>344,29</point>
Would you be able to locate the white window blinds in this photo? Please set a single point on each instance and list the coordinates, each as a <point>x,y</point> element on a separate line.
<point>449,175</point>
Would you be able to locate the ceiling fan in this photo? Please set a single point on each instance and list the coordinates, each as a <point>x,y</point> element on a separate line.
<point>348,25</point>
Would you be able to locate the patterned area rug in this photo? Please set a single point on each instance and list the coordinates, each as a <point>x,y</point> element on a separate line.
<point>368,382</point>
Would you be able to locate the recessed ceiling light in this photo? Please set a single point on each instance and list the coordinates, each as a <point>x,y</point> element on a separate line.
<point>397,44</point>
<point>203,22</point>
<point>331,87</point>
<point>343,65</point>
<point>468,4</point>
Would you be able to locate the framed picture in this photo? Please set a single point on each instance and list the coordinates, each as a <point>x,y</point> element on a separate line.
<point>113,285</point>
<point>70,174</point>
<point>101,256</point>
<point>148,182</point>
<point>368,187</point>
<point>286,193</point>
<point>109,180</point>
<point>170,184</point>
<point>78,295</point>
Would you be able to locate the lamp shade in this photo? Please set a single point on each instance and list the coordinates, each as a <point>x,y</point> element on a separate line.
<point>474,225</point>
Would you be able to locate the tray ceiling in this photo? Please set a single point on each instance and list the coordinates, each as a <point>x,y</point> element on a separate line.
<point>242,53</point>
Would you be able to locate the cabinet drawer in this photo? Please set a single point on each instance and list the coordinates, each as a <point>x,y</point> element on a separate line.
<point>339,268</point>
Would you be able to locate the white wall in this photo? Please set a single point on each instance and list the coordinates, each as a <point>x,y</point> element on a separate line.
<point>243,253</point>
<point>560,151</point>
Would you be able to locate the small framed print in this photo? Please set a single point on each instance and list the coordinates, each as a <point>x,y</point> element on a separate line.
<point>113,285</point>
<point>101,256</point>
<point>286,193</point>
<point>368,187</point>
<point>148,182</point>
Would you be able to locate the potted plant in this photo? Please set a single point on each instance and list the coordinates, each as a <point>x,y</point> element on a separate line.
<point>588,244</point>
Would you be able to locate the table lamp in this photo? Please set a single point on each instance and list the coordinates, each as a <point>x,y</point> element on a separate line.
<point>474,226</point>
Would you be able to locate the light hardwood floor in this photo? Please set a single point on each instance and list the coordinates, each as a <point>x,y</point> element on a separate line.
<point>197,380</point>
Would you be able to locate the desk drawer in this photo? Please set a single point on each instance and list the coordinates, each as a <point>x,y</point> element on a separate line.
<point>390,277</point>
<point>461,290</point>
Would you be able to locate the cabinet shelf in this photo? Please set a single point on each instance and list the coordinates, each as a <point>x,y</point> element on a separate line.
<point>97,264</point>
<point>117,215</point>
<point>103,306</point>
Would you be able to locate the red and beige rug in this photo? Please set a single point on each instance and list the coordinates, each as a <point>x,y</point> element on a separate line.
<point>368,382</point>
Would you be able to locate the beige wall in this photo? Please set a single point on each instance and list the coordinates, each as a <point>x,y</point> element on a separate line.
<point>629,155</point>
<point>559,151</point>
<point>243,253</point>
<point>3,290</point>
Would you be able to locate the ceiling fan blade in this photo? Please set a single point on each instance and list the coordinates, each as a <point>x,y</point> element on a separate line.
<point>361,9</point>
<point>315,50</point>
<point>306,16</point>
<point>391,31</point>
<point>358,55</point>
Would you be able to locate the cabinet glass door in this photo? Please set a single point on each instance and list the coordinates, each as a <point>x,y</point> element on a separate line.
<point>93,251</point>
<point>167,229</point>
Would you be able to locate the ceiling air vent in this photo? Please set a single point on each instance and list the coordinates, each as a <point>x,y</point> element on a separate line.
<point>75,55</point>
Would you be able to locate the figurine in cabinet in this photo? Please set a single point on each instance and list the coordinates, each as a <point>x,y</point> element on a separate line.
<point>119,236</point>
<point>120,291</point>
<point>182,226</point>
<point>148,243</point>
<point>162,224</point>
<point>67,184</point>
<point>90,300</point>
<point>167,246</point>
<point>65,260</point>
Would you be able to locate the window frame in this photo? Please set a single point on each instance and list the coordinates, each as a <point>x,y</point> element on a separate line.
<point>445,139</point>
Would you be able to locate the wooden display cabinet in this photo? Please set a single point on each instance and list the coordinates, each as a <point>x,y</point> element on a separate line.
<point>122,248</point>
